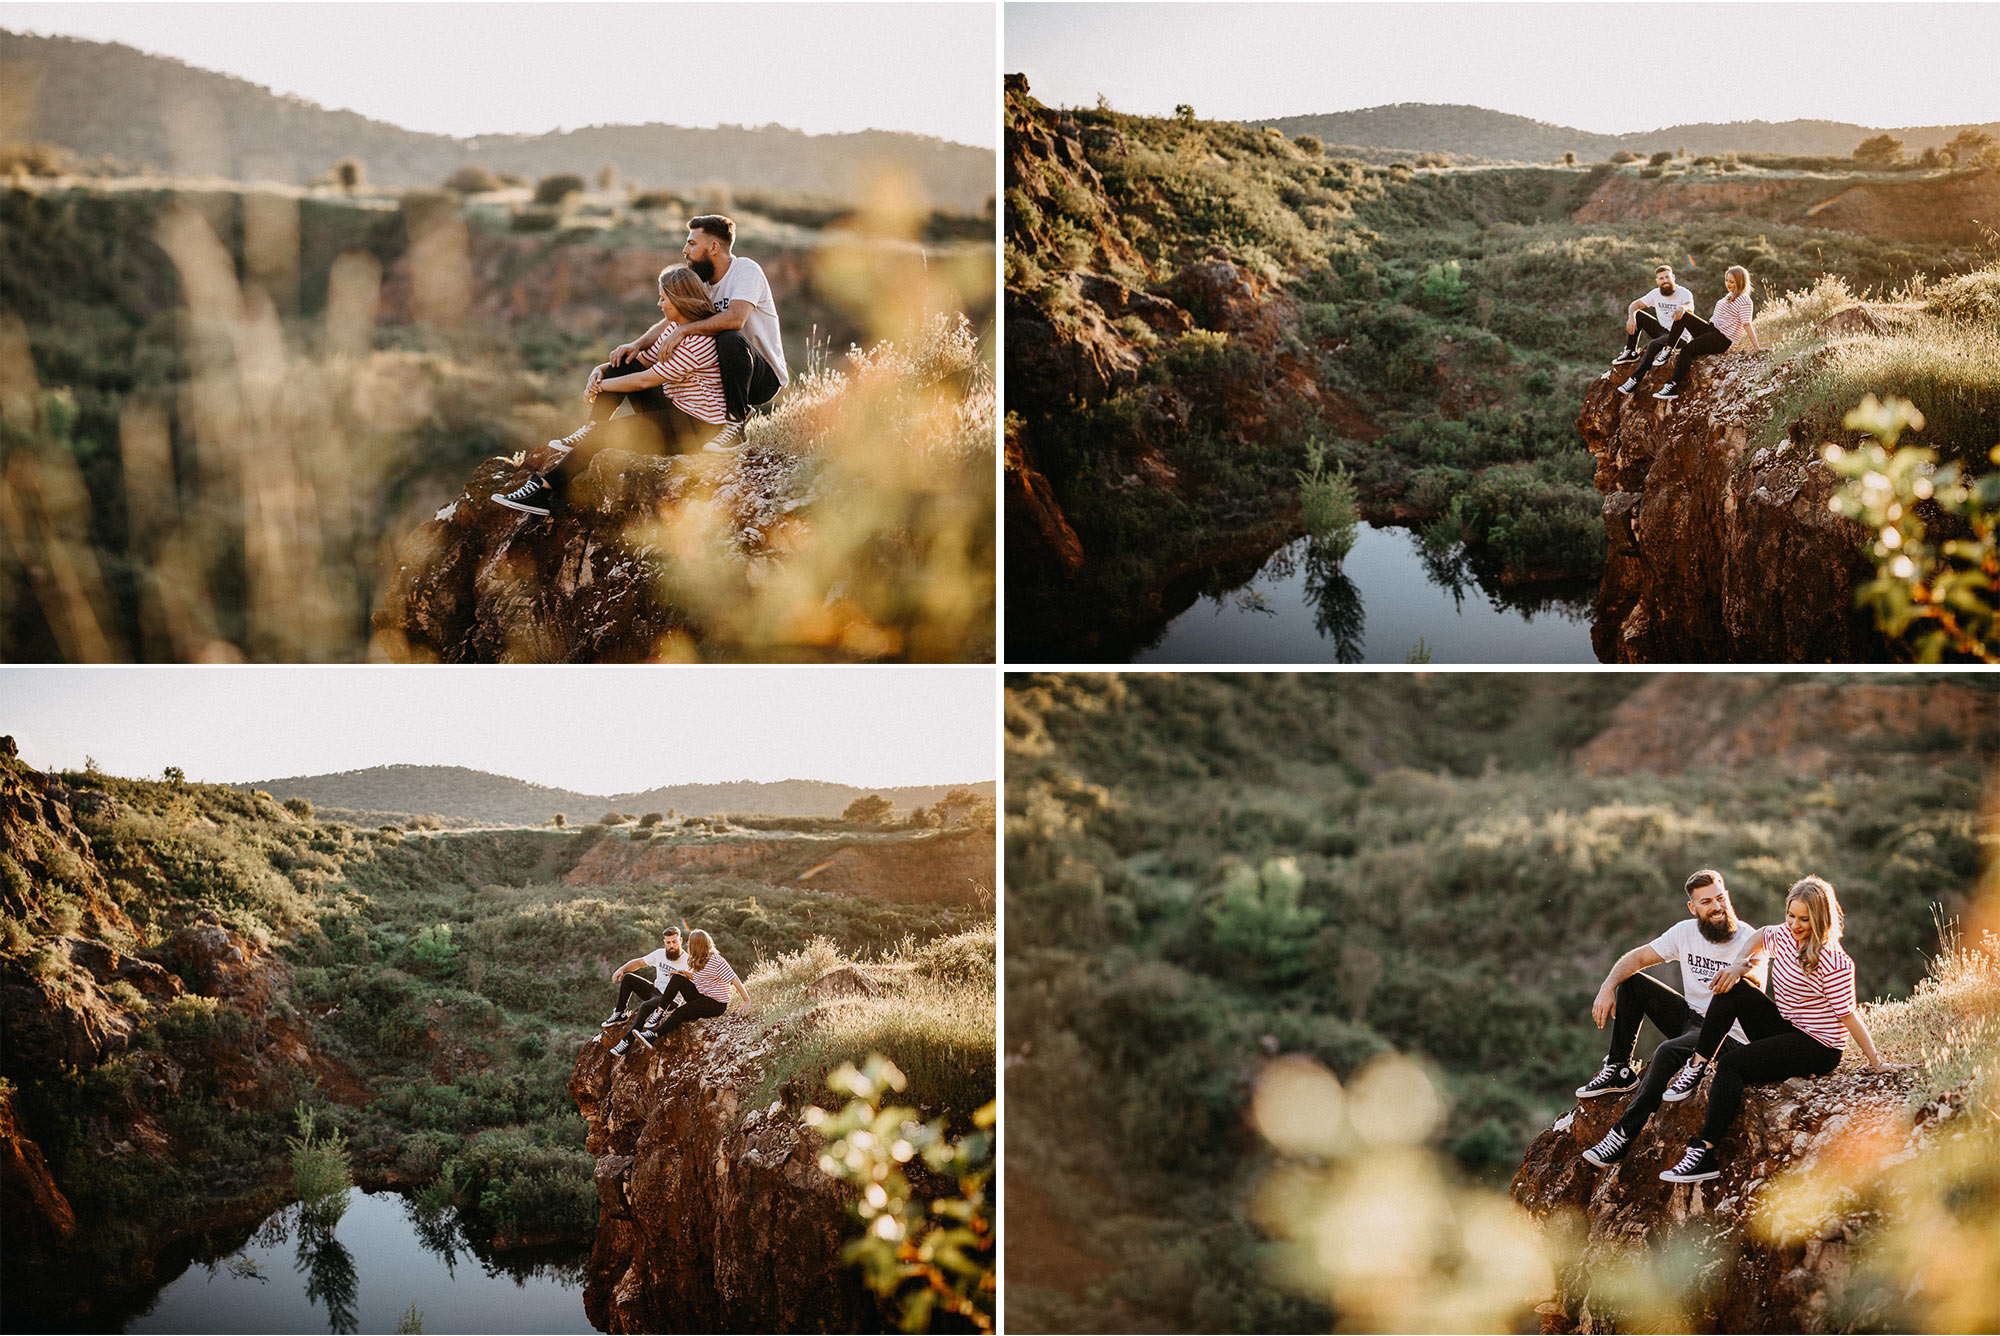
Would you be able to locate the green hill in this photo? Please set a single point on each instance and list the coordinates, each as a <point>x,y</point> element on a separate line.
<point>474,795</point>
<point>101,99</point>
<point>1476,132</point>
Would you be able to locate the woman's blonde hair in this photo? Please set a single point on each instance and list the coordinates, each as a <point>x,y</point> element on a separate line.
<point>700,947</point>
<point>1742,276</point>
<point>1822,912</point>
<point>685,292</point>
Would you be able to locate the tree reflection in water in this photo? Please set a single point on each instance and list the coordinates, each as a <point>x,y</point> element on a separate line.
<point>331,1277</point>
<point>1336,603</point>
<point>437,1233</point>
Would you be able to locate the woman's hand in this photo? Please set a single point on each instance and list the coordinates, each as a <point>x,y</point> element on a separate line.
<point>1727,978</point>
<point>596,379</point>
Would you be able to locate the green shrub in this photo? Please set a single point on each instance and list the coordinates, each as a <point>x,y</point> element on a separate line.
<point>553,190</point>
<point>1328,503</point>
<point>320,1171</point>
<point>301,808</point>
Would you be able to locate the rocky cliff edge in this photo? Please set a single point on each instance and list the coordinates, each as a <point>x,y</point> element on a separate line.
<point>714,1214</point>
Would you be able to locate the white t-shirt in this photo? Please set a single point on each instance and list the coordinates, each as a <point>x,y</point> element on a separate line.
<point>1700,960</point>
<point>745,282</point>
<point>665,966</point>
<point>1667,306</point>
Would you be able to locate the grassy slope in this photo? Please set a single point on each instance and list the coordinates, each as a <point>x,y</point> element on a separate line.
<point>1462,309</point>
<point>1461,904</point>
<point>464,1042</point>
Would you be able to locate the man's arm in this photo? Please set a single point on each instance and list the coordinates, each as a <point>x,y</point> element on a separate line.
<point>1629,964</point>
<point>644,341</point>
<point>733,318</point>
<point>628,967</point>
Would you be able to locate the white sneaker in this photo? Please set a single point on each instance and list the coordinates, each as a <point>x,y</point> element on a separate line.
<point>725,440</point>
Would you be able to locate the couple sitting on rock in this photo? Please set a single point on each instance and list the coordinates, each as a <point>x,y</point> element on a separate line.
<point>1758,1005</point>
<point>688,986</point>
<point>1666,315</point>
<point>713,355</point>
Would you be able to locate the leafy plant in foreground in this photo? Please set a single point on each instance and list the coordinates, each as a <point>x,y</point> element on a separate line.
<point>1328,503</point>
<point>928,1256</point>
<point>320,1170</point>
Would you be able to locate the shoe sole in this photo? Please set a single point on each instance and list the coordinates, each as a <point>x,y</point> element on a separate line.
<point>1582,1093</point>
<point>1627,393</point>
<point>516,505</point>
<point>1666,398</point>
<point>1591,1157</point>
<point>1671,1177</point>
<point>1671,1098</point>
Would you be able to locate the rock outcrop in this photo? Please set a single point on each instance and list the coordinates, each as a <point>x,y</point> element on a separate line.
<point>1735,1277</point>
<point>1948,207</point>
<point>714,1214</point>
<point>945,867</point>
<point>481,583</point>
<point>1716,553</point>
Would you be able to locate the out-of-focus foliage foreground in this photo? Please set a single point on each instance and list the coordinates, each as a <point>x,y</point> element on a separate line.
<point>1206,872</point>
<point>221,410</point>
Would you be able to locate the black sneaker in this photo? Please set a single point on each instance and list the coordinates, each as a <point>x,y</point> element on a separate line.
<point>1697,1166</point>
<point>1631,384</point>
<point>1610,1150</point>
<point>1668,391</point>
<point>612,1020</point>
<point>640,1035</point>
<point>1629,355</point>
<point>618,1049</point>
<point>1685,1080</point>
<point>533,497</point>
<point>1612,1079</point>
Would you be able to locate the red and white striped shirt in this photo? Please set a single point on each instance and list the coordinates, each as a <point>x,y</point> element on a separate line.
<point>1814,1002</point>
<point>692,377</point>
<point>713,979</point>
<point>1731,315</point>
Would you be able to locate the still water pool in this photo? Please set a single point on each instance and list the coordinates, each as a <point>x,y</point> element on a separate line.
<point>1374,607</point>
<point>363,1275</point>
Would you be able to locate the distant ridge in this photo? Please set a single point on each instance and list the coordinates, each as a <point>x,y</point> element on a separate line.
<point>102,98</point>
<point>474,795</point>
<point>1475,132</point>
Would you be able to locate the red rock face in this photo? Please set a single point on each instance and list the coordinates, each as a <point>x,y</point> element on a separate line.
<point>927,869</point>
<point>715,1215</point>
<point>1718,554</point>
<point>1625,1217</point>
<point>1946,208</point>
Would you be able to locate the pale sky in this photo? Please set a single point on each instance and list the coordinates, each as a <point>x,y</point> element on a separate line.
<point>1605,68</point>
<point>471,69</point>
<point>600,729</point>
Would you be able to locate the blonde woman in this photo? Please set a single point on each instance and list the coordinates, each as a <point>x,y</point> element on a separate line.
<point>1800,1029</point>
<point>701,992</point>
<point>1728,329</point>
<point>675,389</point>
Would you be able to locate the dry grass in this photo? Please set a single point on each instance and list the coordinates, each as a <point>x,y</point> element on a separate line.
<point>1951,1026</point>
<point>932,1015</point>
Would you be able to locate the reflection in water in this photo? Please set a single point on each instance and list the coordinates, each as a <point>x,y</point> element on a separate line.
<point>1336,601</point>
<point>436,1232</point>
<point>332,1279</point>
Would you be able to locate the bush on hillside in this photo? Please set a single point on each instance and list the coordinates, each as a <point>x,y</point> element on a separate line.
<point>553,190</point>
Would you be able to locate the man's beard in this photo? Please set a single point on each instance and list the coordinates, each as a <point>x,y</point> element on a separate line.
<point>703,270</point>
<point>1714,933</point>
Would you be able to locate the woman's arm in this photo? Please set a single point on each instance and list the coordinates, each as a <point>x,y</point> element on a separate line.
<point>1747,340</point>
<point>1859,1029</point>
<point>741,991</point>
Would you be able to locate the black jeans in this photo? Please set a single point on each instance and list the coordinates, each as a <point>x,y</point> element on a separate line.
<point>634,985</point>
<point>747,379</point>
<point>1644,998</point>
<point>1707,341</point>
<point>689,1004</point>
<point>1777,1049</point>
<point>654,427</point>
<point>1649,327</point>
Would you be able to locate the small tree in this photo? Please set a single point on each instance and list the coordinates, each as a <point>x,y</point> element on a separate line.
<point>613,819</point>
<point>1660,159</point>
<point>1623,156</point>
<point>558,821</point>
<point>1184,113</point>
<point>556,189</point>
<point>472,179</point>
<point>302,808</point>
<point>174,775</point>
<point>873,810</point>
<point>1310,145</point>
<point>350,175</point>
<point>650,820</point>
<point>1971,148</point>
<point>1569,158</point>
<point>1879,149</point>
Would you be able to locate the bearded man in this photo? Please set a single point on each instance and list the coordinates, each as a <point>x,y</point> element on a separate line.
<point>1713,940</point>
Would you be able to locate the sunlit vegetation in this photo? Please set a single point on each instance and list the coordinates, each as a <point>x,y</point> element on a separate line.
<point>1463,310</point>
<point>1206,872</point>
<point>444,983</point>
<point>223,411</point>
